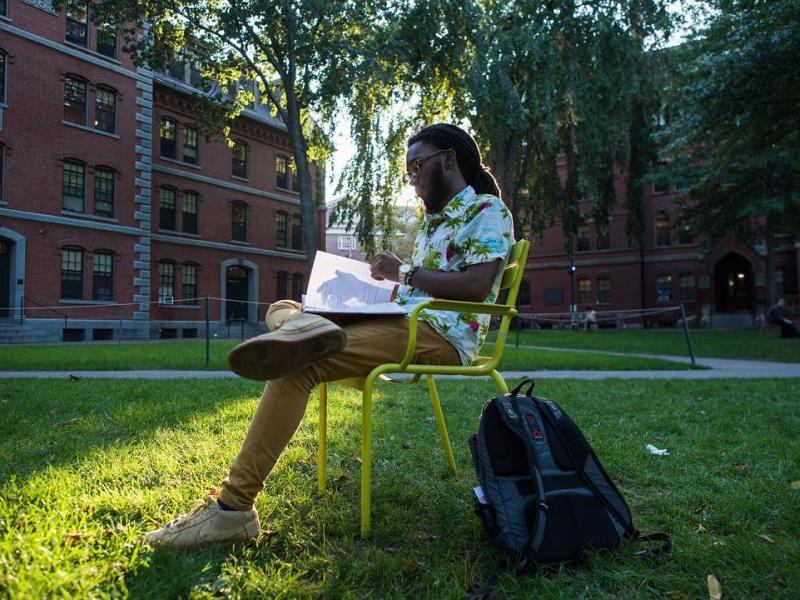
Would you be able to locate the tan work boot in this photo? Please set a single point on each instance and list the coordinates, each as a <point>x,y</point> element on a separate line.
<point>205,524</point>
<point>296,340</point>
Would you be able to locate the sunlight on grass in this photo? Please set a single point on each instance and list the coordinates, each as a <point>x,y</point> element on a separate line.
<point>88,466</point>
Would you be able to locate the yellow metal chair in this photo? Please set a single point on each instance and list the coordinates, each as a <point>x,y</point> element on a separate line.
<point>482,365</point>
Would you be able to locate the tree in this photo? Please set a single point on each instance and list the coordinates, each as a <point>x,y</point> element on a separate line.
<point>735,141</point>
<point>300,53</point>
<point>537,81</point>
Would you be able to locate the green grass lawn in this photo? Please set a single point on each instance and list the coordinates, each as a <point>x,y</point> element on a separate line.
<point>745,343</point>
<point>86,467</point>
<point>191,355</point>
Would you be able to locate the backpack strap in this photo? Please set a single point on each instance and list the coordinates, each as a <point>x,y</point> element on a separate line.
<point>660,536</point>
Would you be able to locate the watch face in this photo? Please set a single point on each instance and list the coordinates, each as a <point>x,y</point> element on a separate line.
<point>405,268</point>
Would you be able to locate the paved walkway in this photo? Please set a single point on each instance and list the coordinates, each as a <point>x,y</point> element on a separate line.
<point>716,368</point>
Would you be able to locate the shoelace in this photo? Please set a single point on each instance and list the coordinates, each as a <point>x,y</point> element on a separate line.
<point>182,520</point>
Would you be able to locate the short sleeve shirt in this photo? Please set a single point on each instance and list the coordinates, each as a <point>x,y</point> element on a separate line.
<point>471,229</point>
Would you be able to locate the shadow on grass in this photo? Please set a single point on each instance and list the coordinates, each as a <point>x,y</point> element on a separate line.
<point>47,423</point>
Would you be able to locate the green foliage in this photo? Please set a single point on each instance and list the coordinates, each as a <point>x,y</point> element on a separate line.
<point>734,142</point>
<point>87,467</point>
<point>299,53</point>
<point>536,82</point>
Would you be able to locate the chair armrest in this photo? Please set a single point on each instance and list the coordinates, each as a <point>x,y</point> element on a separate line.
<point>448,305</point>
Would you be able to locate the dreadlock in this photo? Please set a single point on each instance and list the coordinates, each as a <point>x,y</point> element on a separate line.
<point>468,156</point>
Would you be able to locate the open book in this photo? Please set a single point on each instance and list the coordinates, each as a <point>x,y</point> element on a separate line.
<point>343,285</point>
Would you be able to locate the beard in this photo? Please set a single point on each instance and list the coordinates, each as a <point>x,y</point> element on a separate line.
<point>437,193</point>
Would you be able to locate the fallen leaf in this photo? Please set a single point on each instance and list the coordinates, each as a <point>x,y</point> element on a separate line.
<point>766,538</point>
<point>405,445</point>
<point>742,466</point>
<point>72,538</point>
<point>213,491</point>
<point>68,422</point>
<point>677,594</point>
<point>714,588</point>
<point>795,485</point>
<point>116,529</point>
<point>342,477</point>
<point>700,529</point>
<point>390,549</point>
<point>718,544</point>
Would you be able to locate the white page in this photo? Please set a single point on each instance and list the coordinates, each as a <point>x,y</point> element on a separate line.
<point>343,285</point>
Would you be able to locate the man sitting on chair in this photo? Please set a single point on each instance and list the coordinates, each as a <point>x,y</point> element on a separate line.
<point>460,252</point>
<point>775,316</point>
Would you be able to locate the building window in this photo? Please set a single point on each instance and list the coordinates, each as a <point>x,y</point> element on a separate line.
<point>687,287</point>
<point>664,288</point>
<point>281,229</point>
<point>77,22</point>
<point>103,276</point>
<point>190,144</point>
<point>166,282</point>
<point>584,290</point>
<point>780,275</point>
<point>295,178</point>
<point>281,172</point>
<point>239,221</point>
<point>282,285</point>
<point>105,110</point>
<point>73,186</point>
<point>2,77</point>
<point>685,234</point>
<point>603,241</point>
<point>169,138</point>
<point>297,232</point>
<point>75,100</point>
<point>297,287</point>
<point>189,291</point>
<point>239,161</point>
<point>166,208</point>
<point>72,273</point>
<point>104,192</point>
<point>346,242</point>
<point>582,237</point>
<point>2,157</point>
<point>524,298</point>
<point>3,7</point>
<point>662,229</point>
<point>107,41</point>
<point>190,212</point>
<point>604,289</point>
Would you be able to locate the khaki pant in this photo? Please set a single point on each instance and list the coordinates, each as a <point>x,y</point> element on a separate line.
<point>370,343</point>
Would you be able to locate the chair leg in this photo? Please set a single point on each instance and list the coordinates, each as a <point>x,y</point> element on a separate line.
<point>366,456</point>
<point>437,410</point>
<point>323,437</point>
<point>499,382</point>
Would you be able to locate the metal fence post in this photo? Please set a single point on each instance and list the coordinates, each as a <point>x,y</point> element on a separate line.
<point>208,336</point>
<point>686,333</point>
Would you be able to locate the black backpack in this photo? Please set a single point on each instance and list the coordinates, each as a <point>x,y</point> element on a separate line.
<point>544,496</point>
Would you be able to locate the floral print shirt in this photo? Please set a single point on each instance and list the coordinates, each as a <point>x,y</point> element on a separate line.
<point>471,229</point>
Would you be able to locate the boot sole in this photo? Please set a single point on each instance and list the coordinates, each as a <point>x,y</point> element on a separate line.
<point>278,355</point>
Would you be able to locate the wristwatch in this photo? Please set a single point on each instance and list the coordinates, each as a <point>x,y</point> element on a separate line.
<point>406,273</point>
<point>402,273</point>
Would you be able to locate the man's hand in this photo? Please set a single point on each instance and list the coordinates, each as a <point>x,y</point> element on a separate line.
<point>385,265</point>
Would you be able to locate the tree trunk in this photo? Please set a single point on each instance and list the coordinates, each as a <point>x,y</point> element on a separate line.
<point>308,211</point>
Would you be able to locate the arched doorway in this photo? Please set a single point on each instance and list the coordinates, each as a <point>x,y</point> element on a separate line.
<point>5,278</point>
<point>733,283</point>
<point>236,292</point>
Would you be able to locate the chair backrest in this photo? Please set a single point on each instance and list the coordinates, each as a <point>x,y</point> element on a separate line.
<point>512,280</point>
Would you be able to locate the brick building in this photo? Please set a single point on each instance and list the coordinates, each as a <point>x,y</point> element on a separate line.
<point>117,215</point>
<point>726,284</point>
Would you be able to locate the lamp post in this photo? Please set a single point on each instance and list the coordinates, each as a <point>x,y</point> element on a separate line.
<point>572,292</point>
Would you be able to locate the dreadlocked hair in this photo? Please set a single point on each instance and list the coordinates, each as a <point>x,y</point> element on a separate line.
<point>468,156</point>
